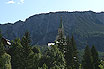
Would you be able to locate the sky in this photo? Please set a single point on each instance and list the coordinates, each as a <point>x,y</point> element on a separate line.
<point>14,10</point>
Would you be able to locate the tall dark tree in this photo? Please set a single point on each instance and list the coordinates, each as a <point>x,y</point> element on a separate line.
<point>16,52</point>
<point>75,53</point>
<point>95,58</point>
<point>30,59</point>
<point>87,59</point>
<point>69,54</point>
<point>27,52</point>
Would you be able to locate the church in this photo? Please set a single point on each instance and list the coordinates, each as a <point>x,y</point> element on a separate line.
<point>60,38</point>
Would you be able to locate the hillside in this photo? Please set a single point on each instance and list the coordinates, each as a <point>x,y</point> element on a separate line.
<point>87,28</point>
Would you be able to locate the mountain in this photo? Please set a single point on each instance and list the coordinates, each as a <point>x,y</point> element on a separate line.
<point>87,28</point>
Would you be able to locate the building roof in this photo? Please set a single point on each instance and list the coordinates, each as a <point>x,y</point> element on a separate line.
<point>6,41</point>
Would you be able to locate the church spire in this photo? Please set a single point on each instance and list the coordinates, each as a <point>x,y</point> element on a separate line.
<point>60,31</point>
<point>61,24</point>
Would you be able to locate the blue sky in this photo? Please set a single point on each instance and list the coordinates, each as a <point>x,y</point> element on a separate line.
<point>14,10</point>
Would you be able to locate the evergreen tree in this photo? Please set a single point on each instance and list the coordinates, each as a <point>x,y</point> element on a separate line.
<point>95,58</point>
<point>30,59</point>
<point>69,54</point>
<point>61,45</point>
<point>16,52</point>
<point>87,59</point>
<point>53,58</point>
<point>75,53</point>
<point>27,52</point>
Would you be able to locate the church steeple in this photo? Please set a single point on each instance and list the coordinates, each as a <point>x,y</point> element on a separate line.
<point>61,24</point>
<point>61,38</point>
<point>61,28</point>
<point>60,31</point>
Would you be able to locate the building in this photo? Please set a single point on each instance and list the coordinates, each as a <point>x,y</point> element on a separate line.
<point>6,43</point>
<point>60,38</point>
<point>51,44</point>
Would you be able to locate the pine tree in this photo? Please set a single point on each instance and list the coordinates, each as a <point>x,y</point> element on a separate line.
<point>87,59</point>
<point>30,59</point>
<point>53,58</point>
<point>69,54</point>
<point>16,52</point>
<point>75,53</point>
<point>27,52</point>
<point>95,58</point>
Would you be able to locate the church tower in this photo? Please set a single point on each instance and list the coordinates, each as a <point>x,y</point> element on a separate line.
<point>61,38</point>
<point>60,31</point>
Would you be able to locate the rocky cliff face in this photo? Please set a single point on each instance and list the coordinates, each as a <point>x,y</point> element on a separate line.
<point>87,28</point>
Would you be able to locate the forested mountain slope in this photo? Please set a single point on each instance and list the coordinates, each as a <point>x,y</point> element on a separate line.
<point>87,28</point>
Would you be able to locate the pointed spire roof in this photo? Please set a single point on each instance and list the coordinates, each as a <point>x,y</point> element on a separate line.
<point>61,23</point>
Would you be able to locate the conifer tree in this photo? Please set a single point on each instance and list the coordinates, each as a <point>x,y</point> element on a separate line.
<point>30,59</point>
<point>54,58</point>
<point>16,52</point>
<point>95,58</point>
<point>75,53</point>
<point>69,54</point>
<point>27,52</point>
<point>87,59</point>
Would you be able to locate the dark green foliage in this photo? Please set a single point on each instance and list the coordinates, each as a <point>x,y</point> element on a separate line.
<point>16,52</point>
<point>69,54</point>
<point>75,53</point>
<point>61,44</point>
<point>43,67</point>
<point>5,61</point>
<point>28,54</point>
<point>36,50</point>
<point>87,59</point>
<point>30,59</point>
<point>53,58</point>
<point>26,41</point>
<point>95,58</point>
<point>42,48</point>
<point>2,50</point>
<point>4,57</point>
<point>101,64</point>
<point>26,45</point>
<point>63,55</point>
